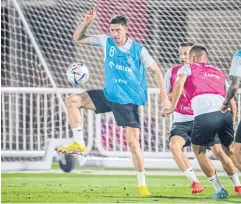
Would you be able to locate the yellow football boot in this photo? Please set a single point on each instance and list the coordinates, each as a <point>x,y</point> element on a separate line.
<point>74,148</point>
<point>143,190</point>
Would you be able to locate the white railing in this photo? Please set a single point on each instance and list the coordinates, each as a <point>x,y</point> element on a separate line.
<point>31,117</point>
<point>47,120</point>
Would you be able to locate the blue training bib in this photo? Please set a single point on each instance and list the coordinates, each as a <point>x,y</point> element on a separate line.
<point>238,53</point>
<point>125,75</point>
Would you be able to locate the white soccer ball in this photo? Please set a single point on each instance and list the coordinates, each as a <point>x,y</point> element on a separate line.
<point>77,73</point>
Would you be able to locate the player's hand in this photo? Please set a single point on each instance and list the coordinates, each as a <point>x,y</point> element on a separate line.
<point>90,15</point>
<point>166,110</point>
<point>224,108</point>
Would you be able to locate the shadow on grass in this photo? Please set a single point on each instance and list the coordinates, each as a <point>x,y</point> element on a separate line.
<point>206,198</point>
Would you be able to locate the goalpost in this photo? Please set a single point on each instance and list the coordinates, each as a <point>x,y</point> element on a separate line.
<point>37,48</point>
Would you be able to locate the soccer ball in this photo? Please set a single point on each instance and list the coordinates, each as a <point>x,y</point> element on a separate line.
<point>77,73</point>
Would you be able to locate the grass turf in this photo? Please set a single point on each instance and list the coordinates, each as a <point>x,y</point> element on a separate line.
<point>77,188</point>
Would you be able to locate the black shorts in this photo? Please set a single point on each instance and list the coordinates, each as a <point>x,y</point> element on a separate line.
<point>209,125</point>
<point>238,134</point>
<point>184,130</point>
<point>126,115</point>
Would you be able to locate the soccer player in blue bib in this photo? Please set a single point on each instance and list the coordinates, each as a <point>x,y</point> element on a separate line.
<point>126,63</point>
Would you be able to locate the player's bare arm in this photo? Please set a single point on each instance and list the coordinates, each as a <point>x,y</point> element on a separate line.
<point>79,34</point>
<point>161,84</point>
<point>176,94</point>
<point>233,108</point>
<point>170,95</point>
<point>231,92</point>
<point>178,90</point>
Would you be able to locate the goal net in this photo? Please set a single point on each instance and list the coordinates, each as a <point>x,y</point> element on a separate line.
<point>37,48</point>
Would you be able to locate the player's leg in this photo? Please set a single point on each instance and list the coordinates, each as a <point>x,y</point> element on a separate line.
<point>132,136</point>
<point>228,166</point>
<point>226,137</point>
<point>230,152</point>
<point>176,144</point>
<point>128,117</point>
<point>203,135</point>
<point>209,170</point>
<point>237,151</point>
<point>203,160</point>
<point>93,100</point>
<point>225,160</point>
<point>179,138</point>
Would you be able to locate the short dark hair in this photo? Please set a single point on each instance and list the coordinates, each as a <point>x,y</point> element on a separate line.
<point>118,20</point>
<point>198,49</point>
<point>186,44</point>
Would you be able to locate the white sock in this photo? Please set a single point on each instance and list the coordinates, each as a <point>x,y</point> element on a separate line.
<point>78,135</point>
<point>141,178</point>
<point>191,175</point>
<point>216,184</point>
<point>235,179</point>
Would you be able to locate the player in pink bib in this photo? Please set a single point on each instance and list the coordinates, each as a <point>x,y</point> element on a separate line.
<point>180,134</point>
<point>205,86</point>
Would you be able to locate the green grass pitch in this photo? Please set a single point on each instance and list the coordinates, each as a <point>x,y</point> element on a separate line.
<point>77,188</point>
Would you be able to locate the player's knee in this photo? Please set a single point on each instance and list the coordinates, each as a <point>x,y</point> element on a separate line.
<point>70,99</point>
<point>174,147</point>
<point>220,155</point>
<point>73,100</point>
<point>237,150</point>
<point>238,159</point>
<point>230,150</point>
<point>199,150</point>
<point>134,146</point>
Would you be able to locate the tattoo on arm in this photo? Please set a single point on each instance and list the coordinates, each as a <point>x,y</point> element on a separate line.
<point>232,89</point>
